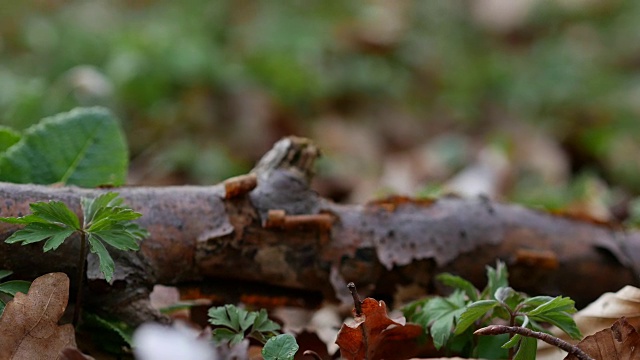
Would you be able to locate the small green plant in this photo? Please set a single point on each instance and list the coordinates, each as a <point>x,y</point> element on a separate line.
<point>106,221</point>
<point>236,324</point>
<point>10,288</point>
<point>452,320</point>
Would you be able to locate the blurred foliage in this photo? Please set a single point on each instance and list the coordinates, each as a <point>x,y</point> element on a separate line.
<point>205,87</point>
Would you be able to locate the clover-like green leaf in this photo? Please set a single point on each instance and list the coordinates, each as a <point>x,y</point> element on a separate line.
<point>439,315</point>
<point>281,347</point>
<point>263,327</point>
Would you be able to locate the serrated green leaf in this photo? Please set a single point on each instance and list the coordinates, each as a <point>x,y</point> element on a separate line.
<point>5,273</point>
<point>527,349</point>
<point>533,302</point>
<point>263,324</point>
<point>83,147</point>
<point>562,320</point>
<point>91,205</point>
<point>55,212</point>
<point>36,232</point>
<point>281,347</point>
<point>118,238</point>
<point>107,266</point>
<point>8,137</point>
<point>557,304</point>
<point>224,335</point>
<point>233,317</point>
<point>136,231</point>
<point>474,312</point>
<point>459,283</point>
<point>56,240</point>
<point>106,217</point>
<point>23,220</point>
<point>14,286</point>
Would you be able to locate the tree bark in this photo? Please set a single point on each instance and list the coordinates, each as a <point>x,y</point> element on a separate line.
<point>268,230</point>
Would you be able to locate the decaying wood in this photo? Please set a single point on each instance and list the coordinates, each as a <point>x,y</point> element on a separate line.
<point>270,228</point>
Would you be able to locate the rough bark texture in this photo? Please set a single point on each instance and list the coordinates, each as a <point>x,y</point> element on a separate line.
<point>269,228</point>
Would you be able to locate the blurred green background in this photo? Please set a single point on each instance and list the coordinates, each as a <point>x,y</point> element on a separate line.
<point>541,99</point>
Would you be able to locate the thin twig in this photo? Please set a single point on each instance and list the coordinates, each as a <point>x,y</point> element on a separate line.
<point>549,339</point>
<point>356,298</point>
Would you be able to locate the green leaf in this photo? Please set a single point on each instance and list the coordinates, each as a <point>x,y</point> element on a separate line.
<point>15,286</point>
<point>512,342</point>
<point>474,312</point>
<point>56,240</point>
<point>8,137</point>
<point>509,297</point>
<point>107,266</point>
<point>118,238</point>
<point>496,278</point>
<point>459,283</point>
<point>533,302</point>
<point>121,328</point>
<point>236,320</point>
<point>439,316</point>
<point>106,217</point>
<point>281,347</point>
<point>263,327</point>
<point>83,147</point>
<point>23,220</point>
<point>225,335</point>
<point>55,212</point>
<point>562,320</point>
<point>5,273</point>
<point>91,205</point>
<point>527,349</point>
<point>2,306</point>
<point>36,232</point>
<point>557,304</point>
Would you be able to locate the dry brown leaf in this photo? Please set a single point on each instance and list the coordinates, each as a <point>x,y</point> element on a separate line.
<point>375,336</point>
<point>620,342</point>
<point>29,325</point>
<point>598,315</point>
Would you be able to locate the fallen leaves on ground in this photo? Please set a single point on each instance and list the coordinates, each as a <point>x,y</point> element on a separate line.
<point>621,341</point>
<point>599,315</point>
<point>29,325</point>
<point>375,336</point>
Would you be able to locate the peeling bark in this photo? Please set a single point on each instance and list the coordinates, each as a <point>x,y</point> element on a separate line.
<point>270,228</point>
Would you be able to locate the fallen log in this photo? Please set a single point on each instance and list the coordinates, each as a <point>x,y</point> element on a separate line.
<point>269,230</point>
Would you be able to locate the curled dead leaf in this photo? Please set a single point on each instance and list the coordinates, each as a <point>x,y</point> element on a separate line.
<point>375,336</point>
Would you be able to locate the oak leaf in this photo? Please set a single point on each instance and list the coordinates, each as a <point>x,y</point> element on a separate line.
<point>29,325</point>
<point>620,342</point>
<point>375,336</point>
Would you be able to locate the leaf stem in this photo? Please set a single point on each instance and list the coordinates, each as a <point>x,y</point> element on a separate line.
<point>549,339</point>
<point>82,265</point>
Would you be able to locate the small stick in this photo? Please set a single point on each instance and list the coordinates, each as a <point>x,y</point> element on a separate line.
<point>549,339</point>
<point>356,298</point>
